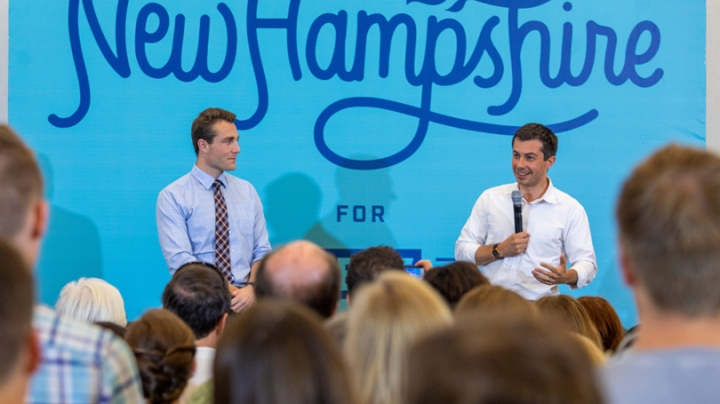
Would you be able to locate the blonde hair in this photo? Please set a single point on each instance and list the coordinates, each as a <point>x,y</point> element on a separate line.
<point>386,318</point>
<point>92,300</point>
<point>488,298</point>
<point>596,355</point>
<point>570,313</point>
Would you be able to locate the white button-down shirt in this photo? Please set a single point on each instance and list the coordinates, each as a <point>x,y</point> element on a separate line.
<point>557,225</point>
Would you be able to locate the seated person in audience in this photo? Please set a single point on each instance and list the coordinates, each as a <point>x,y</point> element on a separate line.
<point>92,300</point>
<point>199,295</point>
<point>488,298</point>
<point>164,348</point>
<point>278,353</point>
<point>303,272</point>
<point>363,268</point>
<point>668,215</point>
<point>571,314</point>
<point>452,281</point>
<point>19,349</point>
<point>69,370</point>
<point>503,357</point>
<point>386,318</point>
<point>606,321</point>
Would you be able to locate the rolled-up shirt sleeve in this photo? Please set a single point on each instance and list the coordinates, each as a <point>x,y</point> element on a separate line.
<point>474,233</point>
<point>172,232</point>
<point>579,247</point>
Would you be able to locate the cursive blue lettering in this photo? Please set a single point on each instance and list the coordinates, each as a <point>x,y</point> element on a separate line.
<point>468,52</point>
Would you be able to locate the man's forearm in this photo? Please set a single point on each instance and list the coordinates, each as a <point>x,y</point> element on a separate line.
<point>253,270</point>
<point>483,255</point>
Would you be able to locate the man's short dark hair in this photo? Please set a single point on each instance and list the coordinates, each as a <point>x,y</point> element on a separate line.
<point>20,182</point>
<point>536,131</point>
<point>668,217</point>
<point>367,264</point>
<point>16,306</point>
<point>199,295</point>
<point>321,297</point>
<point>454,280</point>
<point>202,126</point>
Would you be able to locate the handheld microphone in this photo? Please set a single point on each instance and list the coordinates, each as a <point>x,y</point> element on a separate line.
<point>517,207</point>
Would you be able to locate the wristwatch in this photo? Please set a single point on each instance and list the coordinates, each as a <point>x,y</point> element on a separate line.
<point>496,253</point>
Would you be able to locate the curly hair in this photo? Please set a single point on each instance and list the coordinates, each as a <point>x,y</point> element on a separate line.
<point>164,349</point>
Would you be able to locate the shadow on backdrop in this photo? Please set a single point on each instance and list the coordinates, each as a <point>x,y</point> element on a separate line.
<point>292,208</point>
<point>360,191</point>
<point>71,248</point>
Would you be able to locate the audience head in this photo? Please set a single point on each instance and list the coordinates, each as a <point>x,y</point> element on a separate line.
<point>164,348</point>
<point>23,211</point>
<point>488,298</point>
<point>668,216</point>
<point>92,300</point>
<point>569,313</point>
<point>501,358</point>
<point>199,295</point>
<point>536,131</point>
<point>386,318</point>
<point>596,355</point>
<point>19,350</point>
<point>454,280</point>
<point>303,272</point>
<point>202,126</point>
<point>606,321</point>
<point>277,352</point>
<point>367,264</point>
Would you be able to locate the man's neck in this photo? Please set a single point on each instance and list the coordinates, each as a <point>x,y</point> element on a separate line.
<point>532,193</point>
<point>664,330</point>
<point>213,172</point>
<point>208,342</point>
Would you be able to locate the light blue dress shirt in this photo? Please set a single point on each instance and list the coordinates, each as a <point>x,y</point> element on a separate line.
<point>186,222</point>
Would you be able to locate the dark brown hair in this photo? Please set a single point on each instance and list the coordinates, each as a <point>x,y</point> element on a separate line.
<point>367,264</point>
<point>164,347</point>
<point>454,280</point>
<point>16,305</point>
<point>606,321</point>
<point>202,126</point>
<point>278,353</point>
<point>536,131</point>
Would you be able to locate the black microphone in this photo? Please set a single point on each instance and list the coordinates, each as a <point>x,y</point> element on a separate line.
<point>517,207</point>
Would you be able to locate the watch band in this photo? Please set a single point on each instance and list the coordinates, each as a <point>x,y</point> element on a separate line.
<point>496,253</point>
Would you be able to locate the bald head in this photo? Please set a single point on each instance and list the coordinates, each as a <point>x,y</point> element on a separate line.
<point>303,272</point>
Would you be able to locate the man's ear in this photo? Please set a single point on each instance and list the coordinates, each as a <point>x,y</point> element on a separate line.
<point>626,268</point>
<point>33,353</point>
<point>551,161</point>
<point>40,219</point>
<point>202,145</point>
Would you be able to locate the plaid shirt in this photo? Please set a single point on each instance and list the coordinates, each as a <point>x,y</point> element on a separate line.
<point>81,363</point>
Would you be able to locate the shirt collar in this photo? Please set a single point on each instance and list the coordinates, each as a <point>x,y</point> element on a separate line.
<point>205,179</point>
<point>550,195</point>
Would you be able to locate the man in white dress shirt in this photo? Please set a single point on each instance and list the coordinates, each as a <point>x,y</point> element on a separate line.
<point>555,246</point>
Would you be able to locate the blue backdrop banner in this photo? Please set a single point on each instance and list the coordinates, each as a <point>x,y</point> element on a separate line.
<point>361,122</point>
